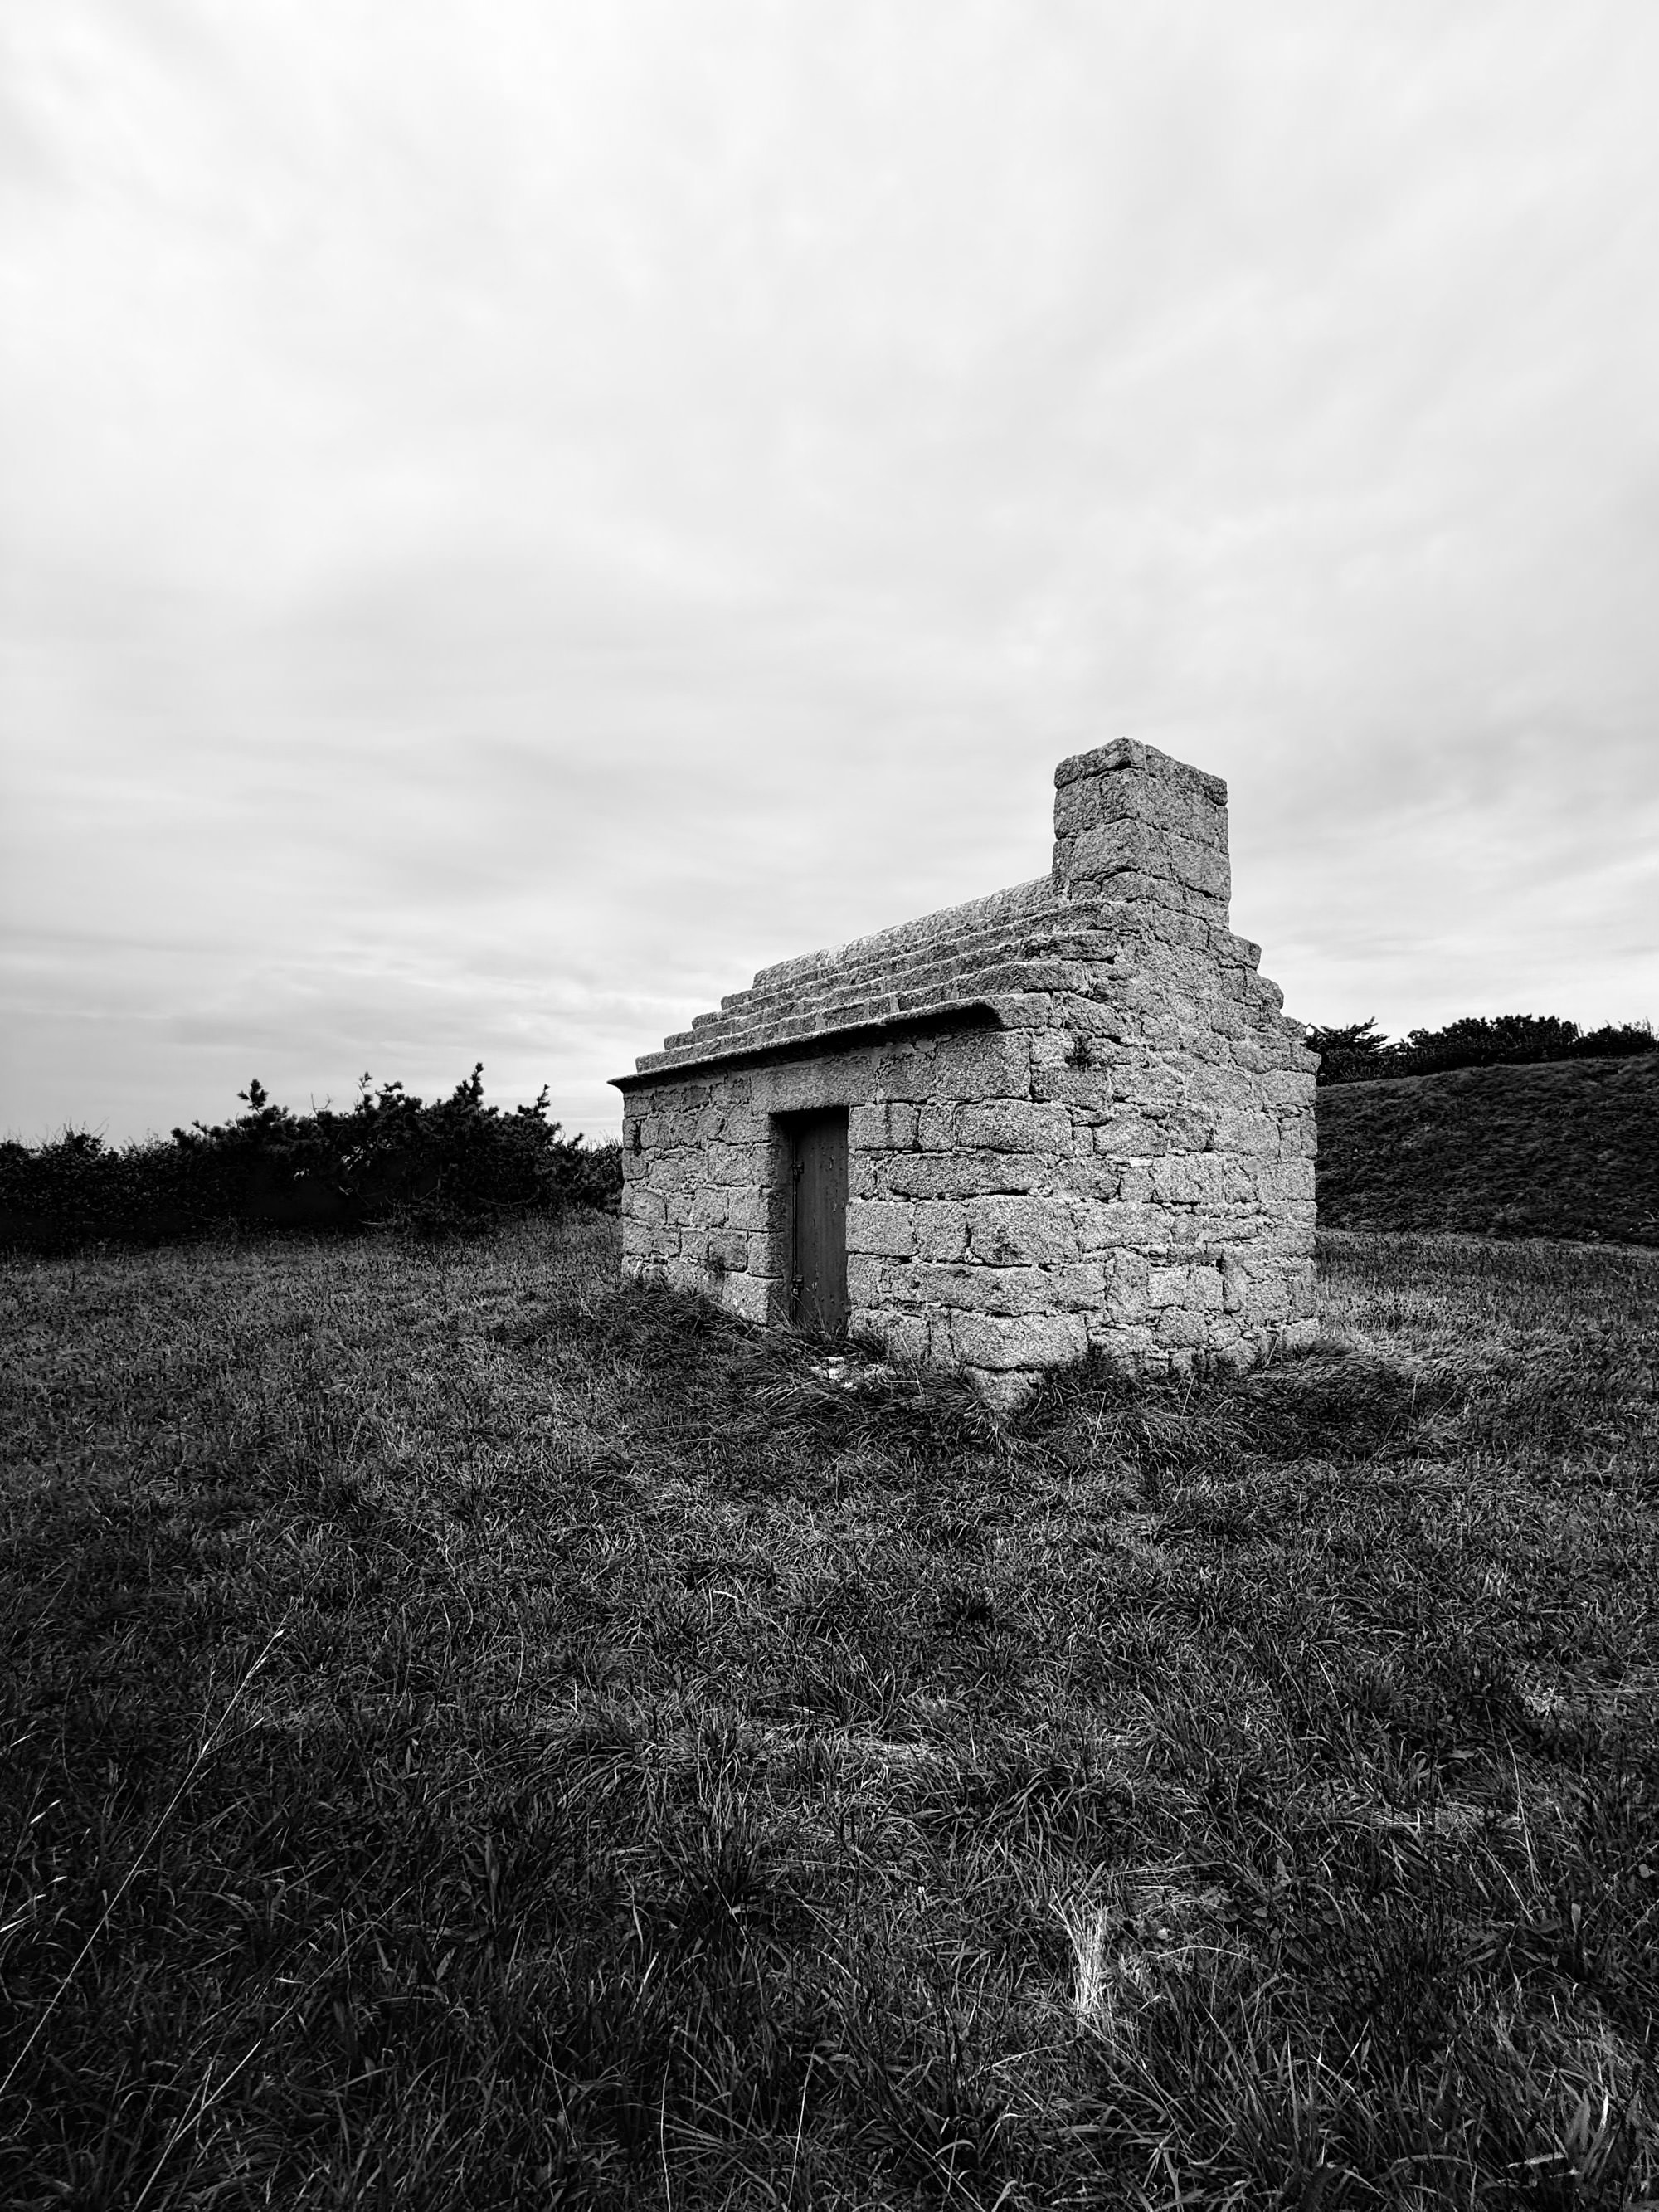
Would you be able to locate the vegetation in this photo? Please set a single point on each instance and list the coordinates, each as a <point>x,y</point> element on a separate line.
<point>473,1735</point>
<point>1361,1053</point>
<point>1570,1149</point>
<point>393,1156</point>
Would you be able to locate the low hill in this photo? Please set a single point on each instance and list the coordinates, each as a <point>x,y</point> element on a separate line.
<point>1567,1148</point>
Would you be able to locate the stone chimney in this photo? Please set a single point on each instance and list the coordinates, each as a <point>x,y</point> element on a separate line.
<point>1130,822</point>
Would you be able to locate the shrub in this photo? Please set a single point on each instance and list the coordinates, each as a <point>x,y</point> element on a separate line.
<point>393,1157</point>
<point>1361,1053</point>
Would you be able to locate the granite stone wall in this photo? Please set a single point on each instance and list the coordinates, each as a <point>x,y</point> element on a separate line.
<point>1078,1119</point>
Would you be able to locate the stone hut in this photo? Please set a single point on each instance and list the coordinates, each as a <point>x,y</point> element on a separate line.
<point>1068,1117</point>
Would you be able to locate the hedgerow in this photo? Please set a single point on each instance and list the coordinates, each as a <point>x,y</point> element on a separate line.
<point>1360,1054</point>
<point>393,1156</point>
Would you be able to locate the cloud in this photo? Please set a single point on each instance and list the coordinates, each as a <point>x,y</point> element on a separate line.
<point>510,530</point>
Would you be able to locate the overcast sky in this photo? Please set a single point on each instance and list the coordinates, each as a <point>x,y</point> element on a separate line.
<point>516,516</point>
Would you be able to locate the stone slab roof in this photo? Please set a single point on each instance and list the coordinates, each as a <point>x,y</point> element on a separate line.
<point>1133,828</point>
<point>946,969</point>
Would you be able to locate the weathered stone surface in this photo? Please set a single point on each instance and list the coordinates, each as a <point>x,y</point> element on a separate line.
<point>1029,1340</point>
<point>901,1335</point>
<point>1009,1231</point>
<point>964,1175</point>
<point>1077,1117</point>
<point>941,1229</point>
<point>886,1231</point>
<point>752,1297</point>
<point>1011,1125</point>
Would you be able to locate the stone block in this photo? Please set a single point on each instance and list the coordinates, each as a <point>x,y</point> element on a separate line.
<point>1084,1089</point>
<point>1111,1225</point>
<point>1298,1138</point>
<point>1134,860</point>
<point>935,1128</point>
<point>1201,1179</point>
<point>967,1289</point>
<point>1007,1231</point>
<point>1127,1280</point>
<point>1013,1125</point>
<point>1097,801</point>
<point>1159,1086</point>
<point>1285,1182</point>
<point>1130,1344</point>
<point>902,1335</point>
<point>749,1208</point>
<point>1089,1174</point>
<point>1205,1291</point>
<point>963,1175</point>
<point>941,1229</point>
<point>901,1125</point>
<point>880,1226</point>
<point>1178,1324</point>
<point>1130,1136</point>
<point>1249,1130</point>
<point>978,1064</point>
<point>941,1352</point>
<point>1032,1340</point>
<point>866,1128</point>
<point>1285,1091</point>
<point>975,1064</point>
<point>1142,762</point>
<point>1079,1288</point>
<point>1028,1013</point>
<point>1267,1295</point>
<point>752,1297</point>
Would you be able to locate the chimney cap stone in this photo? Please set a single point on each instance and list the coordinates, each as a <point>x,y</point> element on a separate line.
<point>1129,754</point>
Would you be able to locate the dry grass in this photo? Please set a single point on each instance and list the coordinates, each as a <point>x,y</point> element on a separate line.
<point>472,1737</point>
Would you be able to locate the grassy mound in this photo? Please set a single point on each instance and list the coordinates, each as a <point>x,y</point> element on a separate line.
<point>1567,1149</point>
<point>472,1735</point>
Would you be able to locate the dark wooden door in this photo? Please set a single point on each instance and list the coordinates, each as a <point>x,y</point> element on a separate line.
<point>817,1289</point>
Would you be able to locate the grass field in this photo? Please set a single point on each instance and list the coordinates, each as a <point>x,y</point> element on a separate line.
<point>475,1738</point>
<point>1563,1149</point>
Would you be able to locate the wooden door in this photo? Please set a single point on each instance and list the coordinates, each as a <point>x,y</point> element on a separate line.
<point>817,1162</point>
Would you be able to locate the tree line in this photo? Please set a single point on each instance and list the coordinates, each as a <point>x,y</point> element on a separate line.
<point>1361,1053</point>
